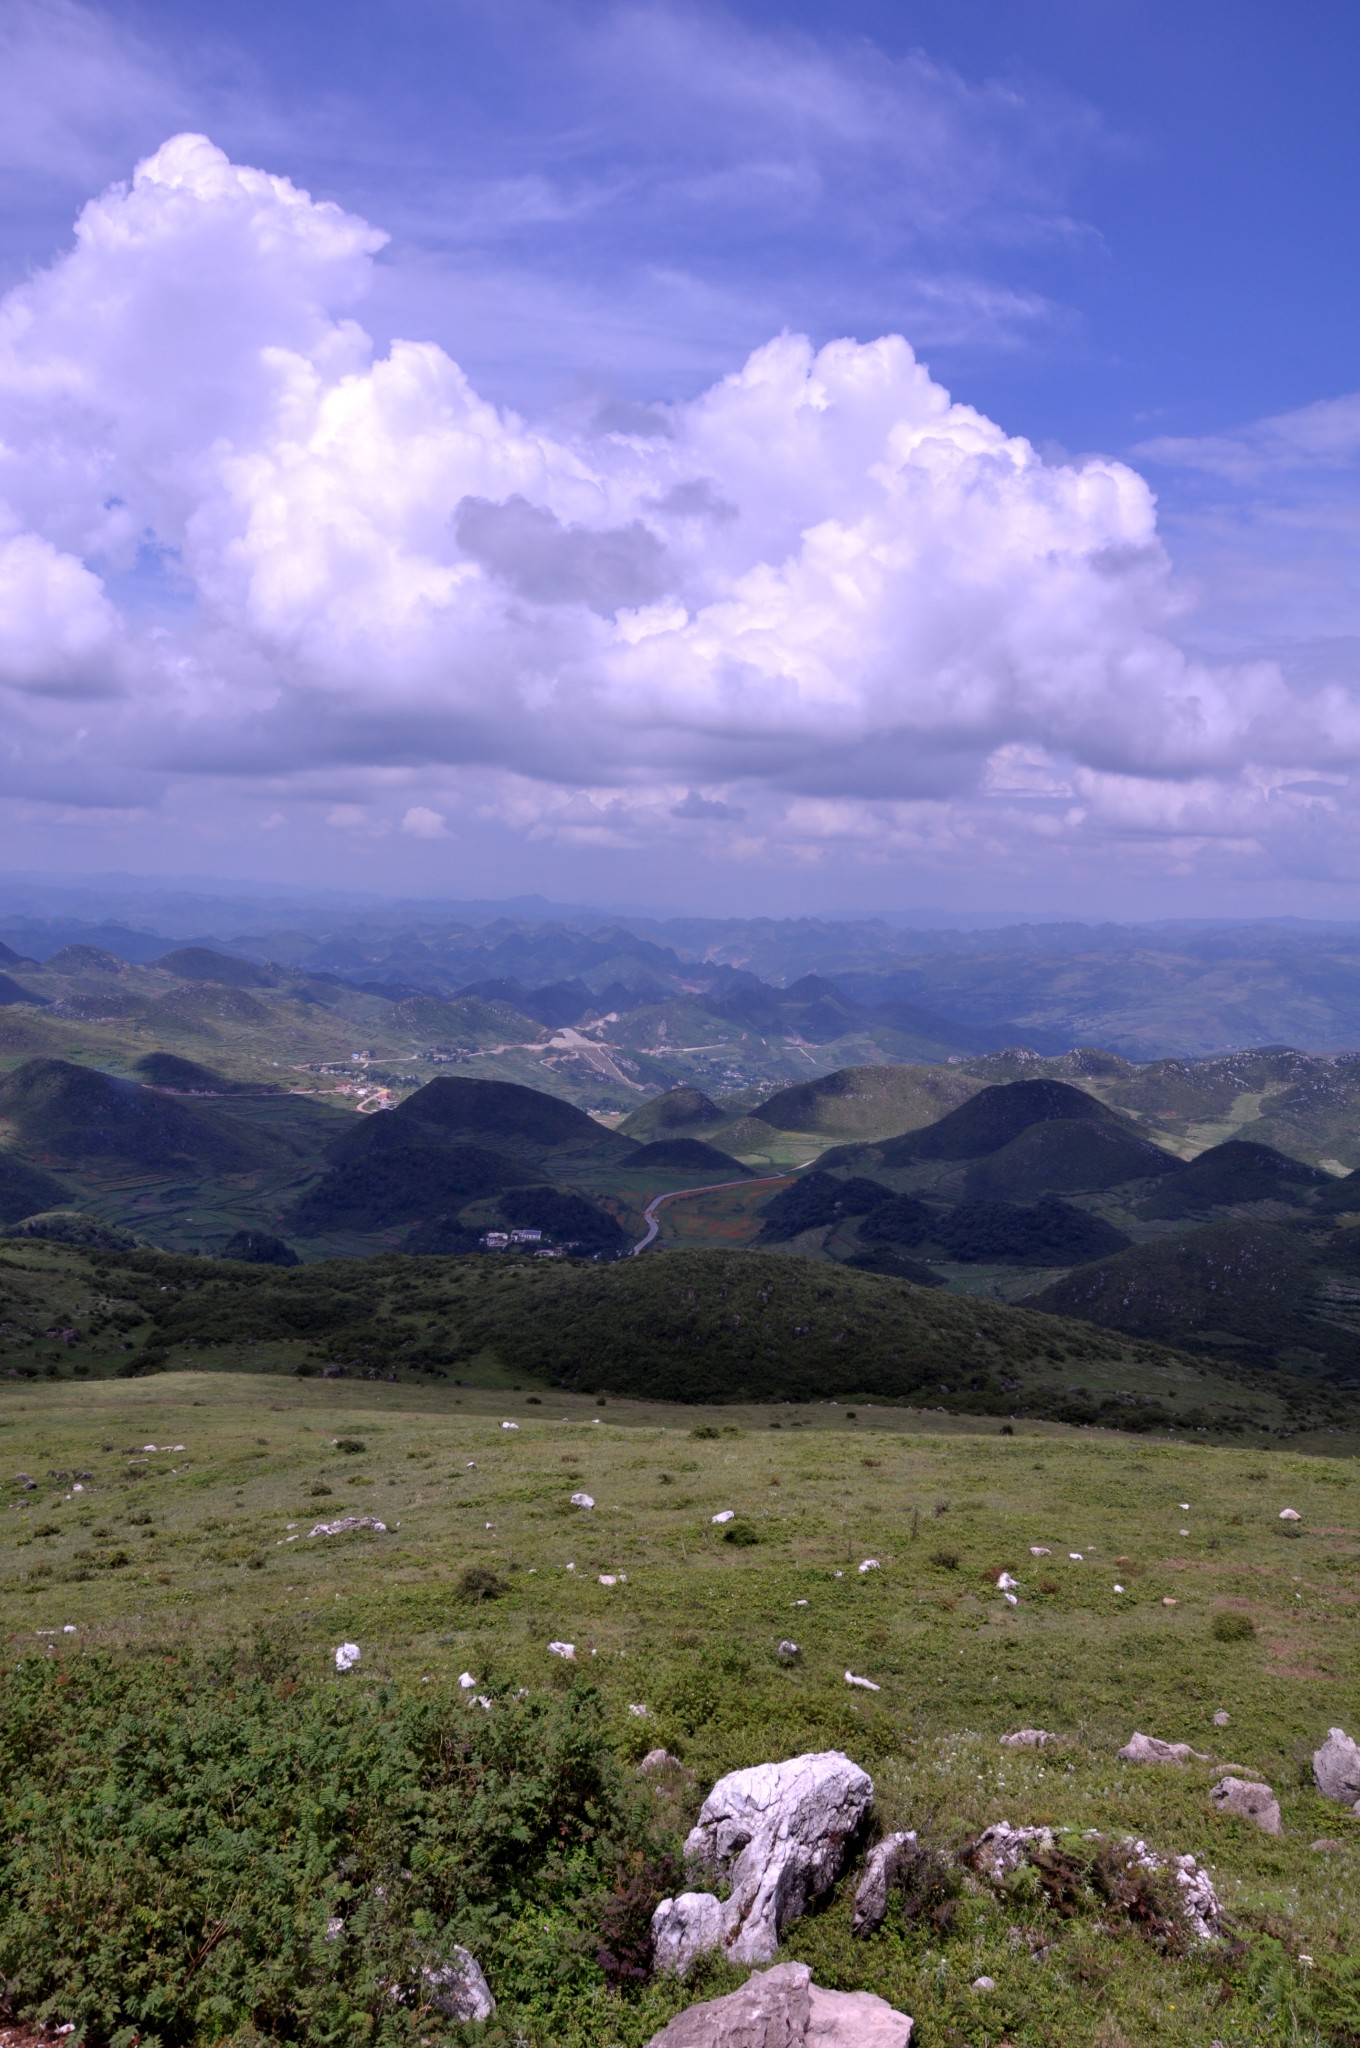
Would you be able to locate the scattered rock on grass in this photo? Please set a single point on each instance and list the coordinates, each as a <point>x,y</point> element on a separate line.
<point>1290,1515</point>
<point>1150,1749</point>
<point>880,1875</point>
<point>458,1990</point>
<point>1336,1768</point>
<point>1248,1801</point>
<point>866,1684</point>
<point>1029,1738</point>
<point>779,1834</point>
<point>783,2008</point>
<point>347,1523</point>
<point>665,1769</point>
<point>1326,1845</point>
<point>1221,1717</point>
<point>582,1500</point>
<point>561,1649</point>
<point>347,1656</point>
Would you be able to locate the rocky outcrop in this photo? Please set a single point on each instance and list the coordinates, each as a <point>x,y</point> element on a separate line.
<point>779,1835</point>
<point>880,1874</point>
<point>1246,1800</point>
<point>783,2008</point>
<point>1336,1769</point>
<point>1000,1849</point>
<point>458,1990</point>
<point>1150,1749</point>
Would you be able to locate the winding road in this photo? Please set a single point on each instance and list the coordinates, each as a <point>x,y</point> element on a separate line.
<point>716,1187</point>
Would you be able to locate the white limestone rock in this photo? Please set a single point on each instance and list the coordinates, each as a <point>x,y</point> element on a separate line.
<point>685,1928</point>
<point>458,1990</point>
<point>881,1866</point>
<point>854,2019</point>
<point>779,1834</point>
<point>1000,1849</point>
<point>1336,1769</point>
<point>1029,1738</point>
<point>1246,1800</point>
<point>1198,1897</point>
<point>783,2008</point>
<point>1150,1749</point>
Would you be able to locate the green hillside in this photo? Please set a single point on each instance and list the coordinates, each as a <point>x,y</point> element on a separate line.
<point>686,1326</point>
<point>1066,1157</point>
<point>400,1183</point>
<point>65,1115</point>
<point>868,1102</point>
<point>464,1021</point>
<point>200,963</point>
<point>514,1117</point>
<point>679,1110</point>
<point>687,1156</point>
<point>1255,1291</point>
<point>991,1119</point>
<point>25,1189</point>
<point>171,1071</point>
<point>815,1199</point>
<point>1050,1233</point>
<point>1239,1171</point>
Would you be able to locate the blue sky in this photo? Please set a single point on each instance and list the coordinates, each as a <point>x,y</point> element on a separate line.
<point>1124,236</point>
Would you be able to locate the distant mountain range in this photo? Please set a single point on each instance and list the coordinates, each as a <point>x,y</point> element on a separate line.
<point>1152,991</point>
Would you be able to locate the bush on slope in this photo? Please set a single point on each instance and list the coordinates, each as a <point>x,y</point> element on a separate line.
<point>817,1199</point>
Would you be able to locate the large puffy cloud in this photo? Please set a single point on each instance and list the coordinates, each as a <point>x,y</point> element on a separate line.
<point>820,592</point>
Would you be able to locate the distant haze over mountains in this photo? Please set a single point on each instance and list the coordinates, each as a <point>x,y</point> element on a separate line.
<point>1186,988</point>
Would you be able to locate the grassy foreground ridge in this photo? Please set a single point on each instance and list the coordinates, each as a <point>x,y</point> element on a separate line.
<point>192,1793</point>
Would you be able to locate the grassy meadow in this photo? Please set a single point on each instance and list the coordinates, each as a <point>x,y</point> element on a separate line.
<point>123,1559</point>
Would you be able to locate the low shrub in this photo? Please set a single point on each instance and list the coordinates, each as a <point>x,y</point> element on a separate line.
<point>928,1888</point>
<point>479,1582</point>
<point>175,1839</point>
<point>1233,1628</point>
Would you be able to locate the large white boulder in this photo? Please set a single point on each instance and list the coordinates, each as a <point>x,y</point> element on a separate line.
<point>779,1835</point>
<point>783,2008</point>
<point>1336,1768</point>
<point>458,1990</point>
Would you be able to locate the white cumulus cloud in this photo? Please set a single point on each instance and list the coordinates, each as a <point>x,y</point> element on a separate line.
<point>821,588</point>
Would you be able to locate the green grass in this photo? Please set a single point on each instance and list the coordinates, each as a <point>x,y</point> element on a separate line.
<point>198,1553</point>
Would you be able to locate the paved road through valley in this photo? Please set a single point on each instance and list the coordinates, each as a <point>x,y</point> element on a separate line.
<point>653,1220</point>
